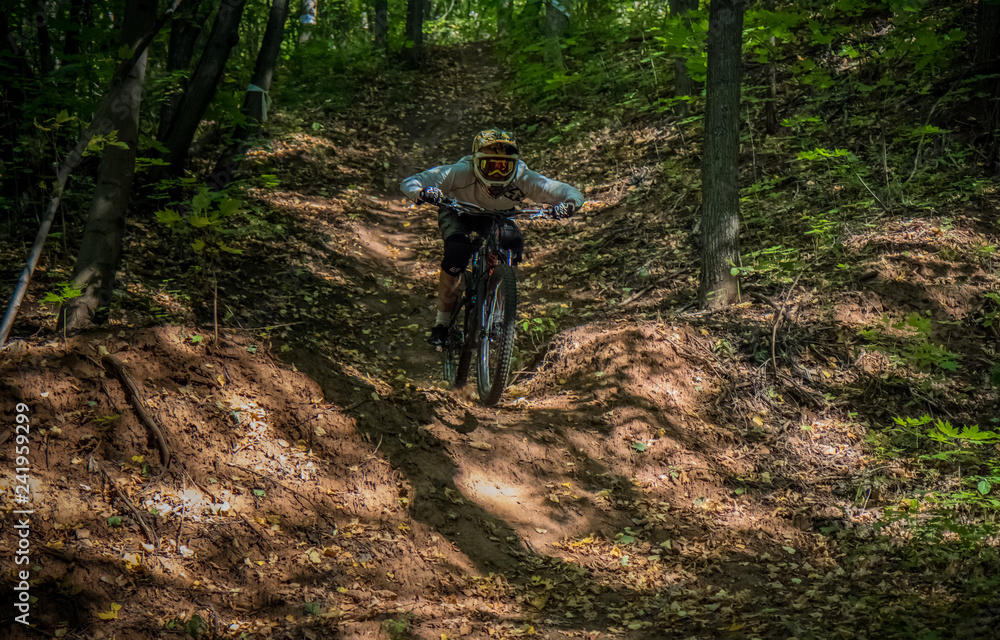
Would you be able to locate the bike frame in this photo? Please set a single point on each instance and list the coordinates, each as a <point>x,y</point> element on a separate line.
<point>487,255</point>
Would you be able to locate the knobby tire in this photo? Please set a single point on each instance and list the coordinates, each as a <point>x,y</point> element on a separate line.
<point>497,337</point>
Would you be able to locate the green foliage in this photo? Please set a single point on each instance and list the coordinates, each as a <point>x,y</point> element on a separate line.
<point>628,537</point>
<point>67,291</point>
<point>311,609</point>
<point>771,265</point>
<point>329,72</point>
<point>204,226</point>
<point>946,449</point>
<point>916,348</point>
<point>991,311</point>
<point>538,329</point>
<point>193,627</point>
<point>397,628</point>
<point>944,432</point>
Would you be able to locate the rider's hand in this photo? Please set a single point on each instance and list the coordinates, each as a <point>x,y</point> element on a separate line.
<point>431,195</point>
<point>563,210</point>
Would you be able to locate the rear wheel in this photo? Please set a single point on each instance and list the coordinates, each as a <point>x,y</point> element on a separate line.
<point>496,344</point>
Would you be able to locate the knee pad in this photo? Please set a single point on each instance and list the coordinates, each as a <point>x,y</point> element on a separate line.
<point>457,252</point>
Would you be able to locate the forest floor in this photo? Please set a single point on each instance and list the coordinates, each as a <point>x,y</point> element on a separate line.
<point>646,476</point>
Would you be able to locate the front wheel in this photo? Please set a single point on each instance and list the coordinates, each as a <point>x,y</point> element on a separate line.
<point>496,342</point>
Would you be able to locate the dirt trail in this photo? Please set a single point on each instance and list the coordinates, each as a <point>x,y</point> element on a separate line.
<point>637,481</point>
<point>494,507</point>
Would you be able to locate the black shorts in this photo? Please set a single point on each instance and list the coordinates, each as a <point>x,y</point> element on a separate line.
<point>456,229</point>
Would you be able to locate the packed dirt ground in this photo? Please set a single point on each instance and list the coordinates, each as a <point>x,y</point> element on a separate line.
<point>648,474</point>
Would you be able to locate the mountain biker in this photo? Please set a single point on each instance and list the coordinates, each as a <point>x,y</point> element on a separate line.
<point>494,178</point>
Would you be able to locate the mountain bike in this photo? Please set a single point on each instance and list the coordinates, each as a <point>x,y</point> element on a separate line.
<point>484,318</point>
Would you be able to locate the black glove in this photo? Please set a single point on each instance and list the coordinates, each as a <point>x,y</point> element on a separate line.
<point>431,195</point>
<point>563,210</point>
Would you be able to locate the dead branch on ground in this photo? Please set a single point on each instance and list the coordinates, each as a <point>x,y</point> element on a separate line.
<point>132,395</point>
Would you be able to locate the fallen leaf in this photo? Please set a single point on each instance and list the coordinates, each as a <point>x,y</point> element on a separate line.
<point>110,615</point>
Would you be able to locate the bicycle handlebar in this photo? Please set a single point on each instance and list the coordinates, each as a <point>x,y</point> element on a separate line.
<point>476,210</point>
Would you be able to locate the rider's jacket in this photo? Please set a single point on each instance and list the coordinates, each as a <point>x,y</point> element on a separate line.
<point>459,181</point>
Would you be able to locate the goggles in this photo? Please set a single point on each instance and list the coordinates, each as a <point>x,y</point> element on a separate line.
<point>496,168</point>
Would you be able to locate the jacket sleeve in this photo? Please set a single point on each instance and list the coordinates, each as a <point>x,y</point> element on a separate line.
<point>542,189</point>
<point>440,177</point>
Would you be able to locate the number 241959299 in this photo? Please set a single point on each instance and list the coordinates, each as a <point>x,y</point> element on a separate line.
<point>22,449</point>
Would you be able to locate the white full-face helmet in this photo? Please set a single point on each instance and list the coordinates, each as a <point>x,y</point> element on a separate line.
<point>494,160</point>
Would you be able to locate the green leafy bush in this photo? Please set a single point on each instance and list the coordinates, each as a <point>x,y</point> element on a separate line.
<point>916,349</point>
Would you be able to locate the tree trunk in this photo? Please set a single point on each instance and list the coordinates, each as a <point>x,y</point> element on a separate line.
<point>78,15</point>
<point>414,32</point>
<point>683,84</point>
<point>505,18</point>
<point>771,106</point>
<point>720,164</point>
<point>184,31</point>
<point>267,58</point>
<point>988,32</point>
<point>381,27</point>
<point>203,83</point>
<point>100,251</point>
<point>307,19</point>
<point>988,58</point>
<point>254,102</point>
<point>555,23</point>
<point>46,61</point>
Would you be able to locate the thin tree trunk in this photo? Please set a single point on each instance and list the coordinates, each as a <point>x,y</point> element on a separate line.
<point>555,22</point>
<point>203,83</point>
<point>720,165</point>
<point>46,61</point>
<point>771,106</point>
<point>683,84</point>
<point>505,18</point>
<point>254,102</point>
<point>100,251</point>
<point>415,32</point>
<point>381,27</point>
<point>79,15</point>
<point>184,31</point>
<point>267,58</point>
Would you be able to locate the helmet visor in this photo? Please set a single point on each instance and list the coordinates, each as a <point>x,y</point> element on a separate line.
<point>496,169</point>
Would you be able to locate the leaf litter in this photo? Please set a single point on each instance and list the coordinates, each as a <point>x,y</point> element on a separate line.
<point>327,481</point>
